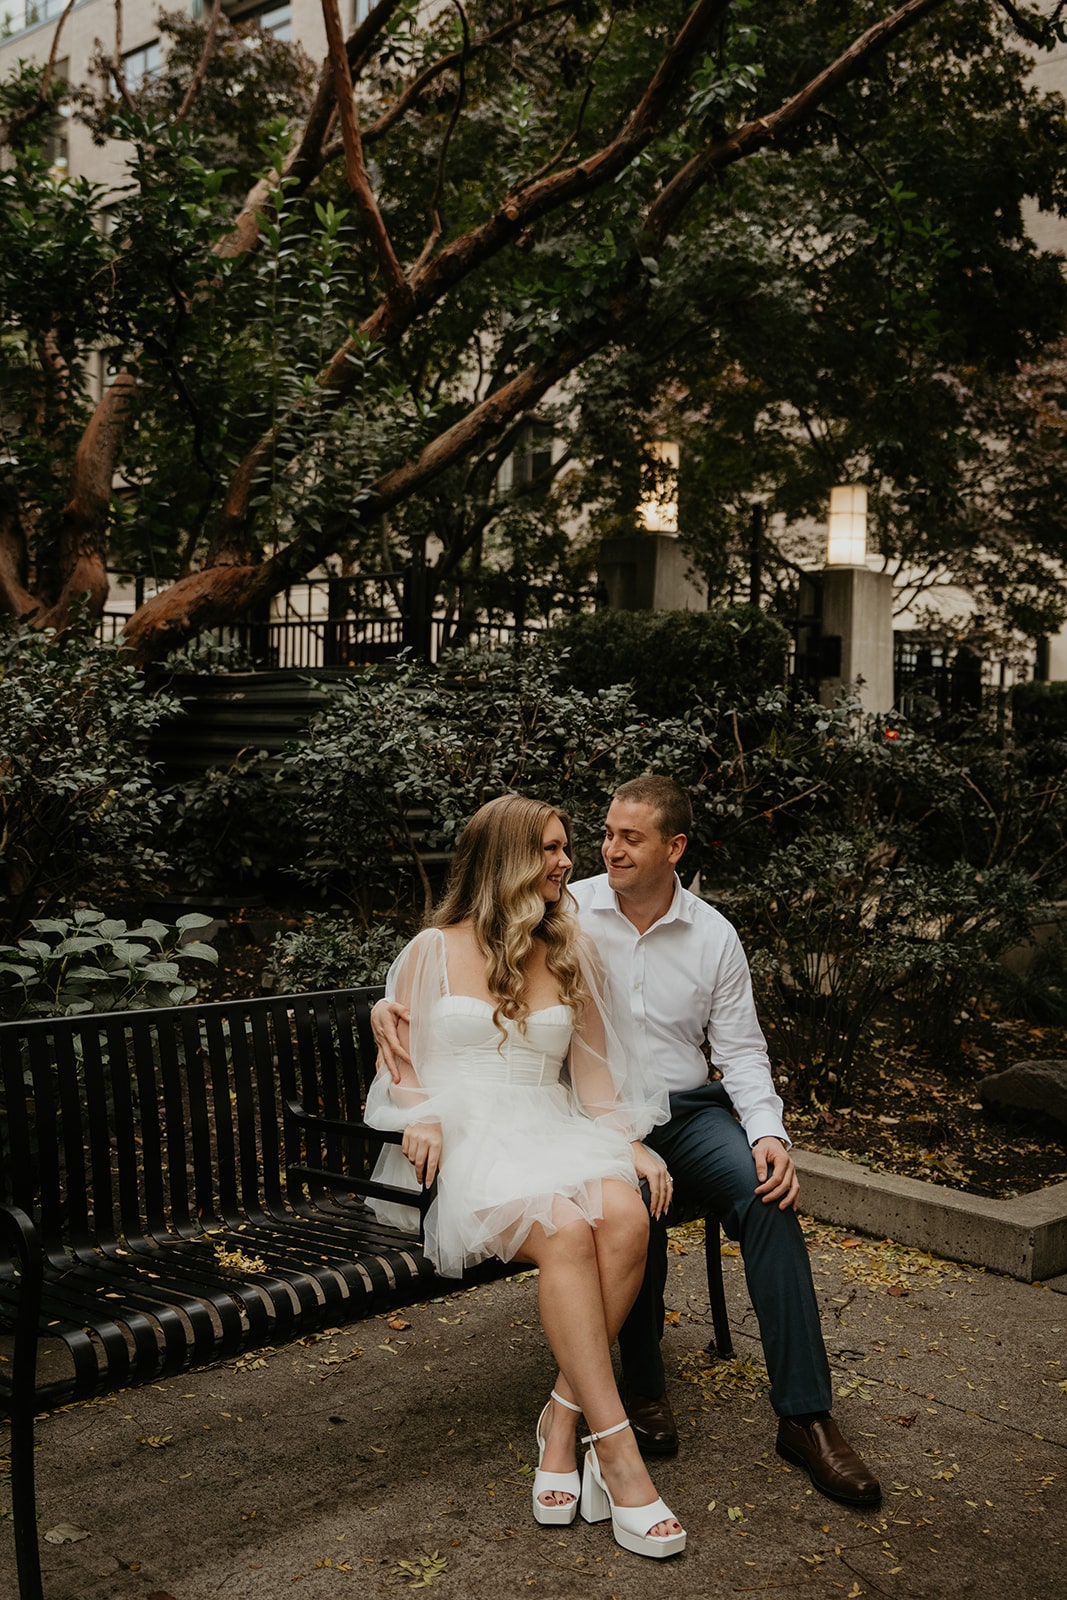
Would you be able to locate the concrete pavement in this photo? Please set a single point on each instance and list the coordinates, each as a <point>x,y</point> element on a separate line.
<point>388,1457</point>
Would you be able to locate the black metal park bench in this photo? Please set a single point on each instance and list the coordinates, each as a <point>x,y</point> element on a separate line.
<point>182,1185</point>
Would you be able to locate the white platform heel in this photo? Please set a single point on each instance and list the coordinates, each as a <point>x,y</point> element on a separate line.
<point>554,1482</point>
<point>629,1524</point>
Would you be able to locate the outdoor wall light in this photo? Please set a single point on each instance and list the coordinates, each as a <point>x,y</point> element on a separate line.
<point>658,512</point>
<point>846,542</point>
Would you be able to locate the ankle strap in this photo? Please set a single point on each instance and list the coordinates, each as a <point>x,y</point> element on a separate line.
<point>558,1398</point>
<point>605,1433</point>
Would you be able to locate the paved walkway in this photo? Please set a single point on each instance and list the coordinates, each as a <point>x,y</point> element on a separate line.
<point>388,1455</point>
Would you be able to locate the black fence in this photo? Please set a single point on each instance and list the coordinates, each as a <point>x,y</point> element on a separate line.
<point>351,621</point>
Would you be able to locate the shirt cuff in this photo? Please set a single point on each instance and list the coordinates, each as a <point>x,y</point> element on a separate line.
<point>765,1125</point>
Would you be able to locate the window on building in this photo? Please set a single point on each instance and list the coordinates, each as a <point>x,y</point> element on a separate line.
<point>274,17</point>
<point>530,461</point>
<point>361,10</point>
<point>141,64</point>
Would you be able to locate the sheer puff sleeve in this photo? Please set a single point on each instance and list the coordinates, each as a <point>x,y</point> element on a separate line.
<point>416,980</point>
<point>608,1078</point>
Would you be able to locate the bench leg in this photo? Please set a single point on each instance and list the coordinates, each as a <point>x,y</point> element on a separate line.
<point>20,1236</point>
<point>722,1345</point>
<point>24,1506</point>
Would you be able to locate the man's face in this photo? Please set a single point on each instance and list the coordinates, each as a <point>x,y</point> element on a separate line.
<point>638,858</point>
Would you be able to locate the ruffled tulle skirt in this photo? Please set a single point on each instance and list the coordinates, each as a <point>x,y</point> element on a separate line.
<point>511,1153</point>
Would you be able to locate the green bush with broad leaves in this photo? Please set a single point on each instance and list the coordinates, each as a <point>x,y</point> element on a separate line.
<point>91,962</point>
<point>80,811</point>
<point>674,659</point>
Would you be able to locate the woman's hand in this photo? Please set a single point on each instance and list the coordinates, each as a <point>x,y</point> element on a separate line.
<point>385,1019</point>
<point>422,1146</point>
<point>649,1167</point>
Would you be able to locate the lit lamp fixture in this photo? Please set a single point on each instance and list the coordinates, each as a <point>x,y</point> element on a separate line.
<point>658,513</point>
<point>846,543</point>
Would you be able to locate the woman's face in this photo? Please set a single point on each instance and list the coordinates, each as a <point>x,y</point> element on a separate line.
<point>557,863</point>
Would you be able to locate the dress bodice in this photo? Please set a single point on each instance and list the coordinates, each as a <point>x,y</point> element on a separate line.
<point>469,1043</point>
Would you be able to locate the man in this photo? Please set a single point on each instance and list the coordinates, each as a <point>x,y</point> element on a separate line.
<point>677,966</point>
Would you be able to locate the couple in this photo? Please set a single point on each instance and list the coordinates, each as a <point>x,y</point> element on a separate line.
<point>485,1007</point>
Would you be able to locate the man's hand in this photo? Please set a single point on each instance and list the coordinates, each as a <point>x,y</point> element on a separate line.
<point>422,1146</point>
<point>777,1175</point>
<point>385,1019</point>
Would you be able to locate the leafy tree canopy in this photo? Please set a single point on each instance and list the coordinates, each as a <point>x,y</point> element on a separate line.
<point>789,235</point>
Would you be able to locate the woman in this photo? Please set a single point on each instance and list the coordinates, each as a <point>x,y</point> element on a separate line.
<point>534,1164</point>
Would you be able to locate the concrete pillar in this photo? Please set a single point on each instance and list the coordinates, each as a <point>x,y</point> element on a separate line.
<point>649,572</point>
<point>857,608</point>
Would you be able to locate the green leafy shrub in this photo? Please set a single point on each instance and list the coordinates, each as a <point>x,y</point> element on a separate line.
<point>1039,711</point>
<point>674,659</point>
<point>79,809</point>
<point>844,934</point>
<point>231,827</point>
<point>91,962</point>
<point>328,953</point>
<point>389,773</point>
<point>1039,991</point>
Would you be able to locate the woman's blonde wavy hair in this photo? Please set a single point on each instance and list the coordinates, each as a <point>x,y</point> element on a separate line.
<point>494,884</point>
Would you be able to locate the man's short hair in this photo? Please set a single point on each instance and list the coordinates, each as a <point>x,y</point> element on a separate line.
<point>674,813</point>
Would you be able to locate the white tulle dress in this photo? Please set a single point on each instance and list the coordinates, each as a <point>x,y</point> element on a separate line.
<point>527,1114</point>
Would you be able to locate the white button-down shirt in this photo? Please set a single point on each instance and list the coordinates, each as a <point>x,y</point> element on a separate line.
<point>684,980</point>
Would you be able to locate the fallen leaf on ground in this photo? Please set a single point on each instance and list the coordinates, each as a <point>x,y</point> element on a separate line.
<point>421,1571</point>
<point>66,1533</point>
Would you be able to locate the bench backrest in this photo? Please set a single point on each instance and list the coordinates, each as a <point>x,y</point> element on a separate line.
<point>141,1122</point>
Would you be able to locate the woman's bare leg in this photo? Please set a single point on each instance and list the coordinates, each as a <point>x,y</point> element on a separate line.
<point>620,1239</point>
<point>576,1325</point>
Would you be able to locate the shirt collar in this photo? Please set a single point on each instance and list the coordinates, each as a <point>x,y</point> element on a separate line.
<point>604,898</point>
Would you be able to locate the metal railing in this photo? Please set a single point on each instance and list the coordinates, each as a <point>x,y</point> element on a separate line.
<point>352,621</point>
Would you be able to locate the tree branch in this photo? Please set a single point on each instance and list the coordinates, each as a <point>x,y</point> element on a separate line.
<point>1037,32</point>
<point>50,64</point>
<point>116,62</point>
<point>306,160</point>
<point>392,317</point>
<point>196,82</point>
<point>396,286</point>
<point>15,600</point>
<point>762,131</point>
<point>572,137</point>
<point>461,93</point>
<point>85,516</point>
<point>454,58</point>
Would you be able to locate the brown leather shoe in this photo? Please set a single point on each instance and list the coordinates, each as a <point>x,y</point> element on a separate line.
<point>653,1424</point>
<point>829,1460</point>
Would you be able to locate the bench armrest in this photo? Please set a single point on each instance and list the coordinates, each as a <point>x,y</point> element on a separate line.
<point>18,1233</point>
<point>419,1200</point>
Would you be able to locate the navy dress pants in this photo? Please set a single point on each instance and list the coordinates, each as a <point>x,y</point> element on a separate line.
<point>711,1163</point>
